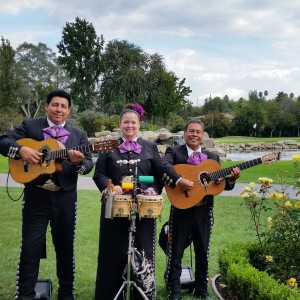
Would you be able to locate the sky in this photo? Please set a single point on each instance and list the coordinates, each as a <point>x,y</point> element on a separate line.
<point>220,47</point>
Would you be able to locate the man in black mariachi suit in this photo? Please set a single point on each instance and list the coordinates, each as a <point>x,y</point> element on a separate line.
<point>51,199</point>
<point>195,222</point>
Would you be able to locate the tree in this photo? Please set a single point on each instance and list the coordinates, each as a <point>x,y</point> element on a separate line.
<point>216,104</point>
<point>9,86</point>
<point>80,55</point>
<point>123,80</point>
<point>246,115</point>
<point>166,93</point>
<point>216,124</point>
<point>297,115</point>
<point>168,96</point>
<point>37,65</point>
<point>9,77</point>
<point>285,115</point>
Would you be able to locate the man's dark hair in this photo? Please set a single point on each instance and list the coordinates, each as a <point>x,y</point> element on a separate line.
<point>191,122</point>
<point>59,93</point>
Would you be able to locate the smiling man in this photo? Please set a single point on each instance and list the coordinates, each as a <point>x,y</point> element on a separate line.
<point>51,198</point>
<point>194,223</point>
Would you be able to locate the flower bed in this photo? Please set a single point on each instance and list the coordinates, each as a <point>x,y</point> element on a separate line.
<point>270,267</point>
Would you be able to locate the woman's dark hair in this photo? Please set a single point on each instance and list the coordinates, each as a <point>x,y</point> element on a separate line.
<point>59,93</point>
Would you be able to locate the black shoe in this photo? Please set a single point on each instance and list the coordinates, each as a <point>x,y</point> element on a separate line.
<point>202,295</point>
<point>174,296</point>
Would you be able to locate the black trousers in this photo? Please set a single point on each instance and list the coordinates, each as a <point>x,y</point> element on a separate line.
<point>41,207</point>
<point>195,223</point>
<point>113,252</point>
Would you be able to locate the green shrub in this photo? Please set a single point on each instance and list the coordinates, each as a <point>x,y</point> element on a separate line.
<point>246,282</point>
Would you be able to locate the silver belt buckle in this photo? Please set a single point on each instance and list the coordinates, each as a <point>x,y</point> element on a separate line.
<point>51,186</point>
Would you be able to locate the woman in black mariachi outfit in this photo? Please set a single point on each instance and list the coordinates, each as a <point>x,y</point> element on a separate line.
<point>113,242</point>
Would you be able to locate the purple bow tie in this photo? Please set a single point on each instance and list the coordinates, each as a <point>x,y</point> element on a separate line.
<point>56,132</point>
<point>196,158</point>
<point>130,146</point>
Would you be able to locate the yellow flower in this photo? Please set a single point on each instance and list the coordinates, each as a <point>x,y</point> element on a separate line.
<point>296,157</point>
<point>265,180</point>
<point>270,223</point>
<point>269,258</point>
<point>273,195</point>
<point>288,203</point>
<point>253,185</point>
<point>281,196</point>
<point>297,205</point>
<point>292,282</point>
<point>246,189</point>
<point>245,195</point>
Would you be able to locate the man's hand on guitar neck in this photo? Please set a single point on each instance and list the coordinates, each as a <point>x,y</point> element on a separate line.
<point>29,155</point>
<point>76,157</point>
<point>234,175</point>
<point>186,184</point>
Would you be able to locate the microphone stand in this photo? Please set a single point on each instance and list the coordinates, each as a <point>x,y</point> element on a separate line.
<point>128,283</point>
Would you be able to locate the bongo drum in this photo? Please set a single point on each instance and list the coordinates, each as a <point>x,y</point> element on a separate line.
<point>150,206</point>
<point>122,206</point>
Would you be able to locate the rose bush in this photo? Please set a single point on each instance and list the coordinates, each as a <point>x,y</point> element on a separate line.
<point>279,234</point>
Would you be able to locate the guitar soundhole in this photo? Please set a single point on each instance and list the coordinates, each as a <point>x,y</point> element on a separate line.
<point>204,179</point>
<point>43,162</point>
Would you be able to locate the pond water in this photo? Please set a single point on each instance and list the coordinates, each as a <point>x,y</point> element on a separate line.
<point>245,156</point>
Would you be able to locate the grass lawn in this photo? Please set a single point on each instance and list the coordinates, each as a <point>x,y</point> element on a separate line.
<point>232,223</point>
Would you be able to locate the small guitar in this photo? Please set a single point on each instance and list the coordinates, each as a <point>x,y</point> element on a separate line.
<point>23,172</point>
<point>208,179</point>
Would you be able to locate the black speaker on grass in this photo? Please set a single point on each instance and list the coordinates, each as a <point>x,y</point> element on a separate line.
<point>43,289</point>
<point>187,280</point>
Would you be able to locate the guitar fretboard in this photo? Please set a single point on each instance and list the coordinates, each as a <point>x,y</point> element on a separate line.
<point>225,172</point>
<point>64,152</point>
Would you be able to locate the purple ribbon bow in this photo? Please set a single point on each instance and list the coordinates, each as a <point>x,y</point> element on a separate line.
<point>56,132</point>
<point>196,158</point>
<point>130,146</point>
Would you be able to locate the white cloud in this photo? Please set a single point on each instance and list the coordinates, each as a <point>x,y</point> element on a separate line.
<point>220,49</point>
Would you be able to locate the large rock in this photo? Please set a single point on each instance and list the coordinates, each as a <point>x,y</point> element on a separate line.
<point>149,135</point>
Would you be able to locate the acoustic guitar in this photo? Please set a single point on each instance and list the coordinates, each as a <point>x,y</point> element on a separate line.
<point>51,159</point>
<point>208,179</point>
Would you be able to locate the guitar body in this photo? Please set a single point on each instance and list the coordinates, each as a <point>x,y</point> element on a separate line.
<point>208,179</point>
<point>24,173</point>
<point>54,152</point>
<point>183,200</point>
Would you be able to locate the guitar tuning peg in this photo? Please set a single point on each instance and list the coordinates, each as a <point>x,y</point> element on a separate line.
<point>164,176</point>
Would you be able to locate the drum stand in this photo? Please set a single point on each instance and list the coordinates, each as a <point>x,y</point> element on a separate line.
<point>129,283</point>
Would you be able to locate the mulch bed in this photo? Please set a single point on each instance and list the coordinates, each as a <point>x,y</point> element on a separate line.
<point>222,289</point>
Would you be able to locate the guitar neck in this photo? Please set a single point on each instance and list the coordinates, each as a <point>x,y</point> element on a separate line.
<point>227,171</point>
<point>64,152</point>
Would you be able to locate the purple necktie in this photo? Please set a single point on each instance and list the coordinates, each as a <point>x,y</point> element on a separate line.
<point>56,132</point>
<point>130,146</point>
<point>196,158</point>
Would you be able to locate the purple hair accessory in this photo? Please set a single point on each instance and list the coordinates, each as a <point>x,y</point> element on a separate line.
<point>139,109</point>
